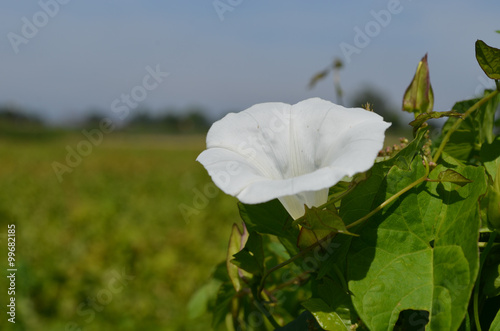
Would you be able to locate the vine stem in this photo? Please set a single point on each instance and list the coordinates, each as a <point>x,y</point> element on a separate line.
<point>459,121</point>
<point>476,288</point>
<point>266,313</point>
<point>290,260</point>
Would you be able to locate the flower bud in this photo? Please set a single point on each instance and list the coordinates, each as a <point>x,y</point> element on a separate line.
<point>419,97</point>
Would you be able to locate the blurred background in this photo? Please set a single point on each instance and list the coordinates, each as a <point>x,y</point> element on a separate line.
<point>104,107</point>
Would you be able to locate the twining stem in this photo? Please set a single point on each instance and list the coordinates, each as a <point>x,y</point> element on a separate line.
<point>484,254</point>
<point>260,306</point>
<point>339,274</point>
<point>299,279</point>
<point>290,260</point>
<point>459,121</point>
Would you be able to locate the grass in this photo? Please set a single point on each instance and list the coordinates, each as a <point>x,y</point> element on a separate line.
<point>118,211</point>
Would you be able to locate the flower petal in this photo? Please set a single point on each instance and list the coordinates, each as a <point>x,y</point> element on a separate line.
<point>275,150</point>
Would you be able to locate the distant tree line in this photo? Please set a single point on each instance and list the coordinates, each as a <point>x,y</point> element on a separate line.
<point>192,120</point>
<point>10,115</point>
<point>186,121</point>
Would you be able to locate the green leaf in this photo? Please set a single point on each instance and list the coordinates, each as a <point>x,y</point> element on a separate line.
<point>222,304</point>
<point>369,191</point>
<point>495,325</point>
<point>278,250</point>
<point>419,97</point>
<point>411,319</point>
<point>237,242</point>
<point>490,275</point>
<point>251,258</point>
<point>406,253</point>
<point>271,218</point>
<point>492,282</point>
<point>484,119</point>
<point>489,59</point>
<point>305,321</point>
<point>494,203</point>
<point>202,299</point>
<point>490,157</point>
<point>351,210</point>
<point>325,316</point>
<point>475,130</point>
<point>451,176</point>
<point>466,323</point>
<point>463,141</point>
<point>337,298</point>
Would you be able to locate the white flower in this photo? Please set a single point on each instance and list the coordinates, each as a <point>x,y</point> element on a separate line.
<point>291,152</point>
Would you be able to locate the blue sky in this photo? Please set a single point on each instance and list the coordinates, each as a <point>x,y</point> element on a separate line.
<point>91,52</point>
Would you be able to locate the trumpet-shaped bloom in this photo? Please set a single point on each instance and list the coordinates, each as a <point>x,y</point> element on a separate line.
<point>291,152</point>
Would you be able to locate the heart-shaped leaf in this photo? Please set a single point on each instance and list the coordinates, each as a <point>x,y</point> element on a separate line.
<point>406,253</point>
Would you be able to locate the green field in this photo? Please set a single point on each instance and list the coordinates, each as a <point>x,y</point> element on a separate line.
<point>108,248</point>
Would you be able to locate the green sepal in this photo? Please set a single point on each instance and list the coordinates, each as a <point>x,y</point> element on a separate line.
<point>237,242</point>
<point>318,223</point>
